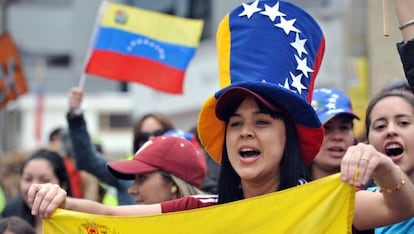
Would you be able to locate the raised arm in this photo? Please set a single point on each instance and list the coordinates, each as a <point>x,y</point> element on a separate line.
<point>86,157</point>
<point>46,198</point>
<point>375,209</point>
<point>405,14</point>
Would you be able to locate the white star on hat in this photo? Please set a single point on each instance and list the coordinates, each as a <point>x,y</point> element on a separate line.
<point>287,25</point>
<point>299,45</point>
<point>272,12</point>
<point>331,105</point>
<point>331,99</point>
<point>286,84</point>
<point>297,82</point>
<point>249,10</point>
<point>303,66</point>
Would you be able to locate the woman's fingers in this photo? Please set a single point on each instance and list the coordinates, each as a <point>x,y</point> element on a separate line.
<point>359,163</point>
<point>31,195</point>
<point>45,198</point>
<point>349,165</point>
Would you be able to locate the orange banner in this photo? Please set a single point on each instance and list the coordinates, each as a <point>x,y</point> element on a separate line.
<point>12,81</point>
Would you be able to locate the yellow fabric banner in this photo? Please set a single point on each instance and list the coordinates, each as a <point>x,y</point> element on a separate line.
<point>322,206</point>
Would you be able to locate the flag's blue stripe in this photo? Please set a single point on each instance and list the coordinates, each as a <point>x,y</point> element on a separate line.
<point>127,43</point>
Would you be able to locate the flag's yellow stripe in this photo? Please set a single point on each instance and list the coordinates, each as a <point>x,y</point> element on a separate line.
<point>159,26</point>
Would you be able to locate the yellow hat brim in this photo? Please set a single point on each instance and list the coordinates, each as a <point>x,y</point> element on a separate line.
<point>211,129</point>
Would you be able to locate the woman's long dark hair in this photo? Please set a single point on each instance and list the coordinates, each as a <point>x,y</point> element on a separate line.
<point>56,161</point>
<point>292,166</point>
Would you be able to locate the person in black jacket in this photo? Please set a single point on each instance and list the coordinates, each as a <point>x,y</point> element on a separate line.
<point>405,16</point>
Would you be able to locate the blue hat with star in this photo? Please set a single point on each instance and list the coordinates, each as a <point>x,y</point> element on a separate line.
<point>273,49</point>
<point>331,102</point>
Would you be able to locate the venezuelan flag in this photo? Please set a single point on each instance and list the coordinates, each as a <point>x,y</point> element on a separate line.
<point>137,45</point>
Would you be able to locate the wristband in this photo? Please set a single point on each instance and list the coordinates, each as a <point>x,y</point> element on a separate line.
<point>406,24</point>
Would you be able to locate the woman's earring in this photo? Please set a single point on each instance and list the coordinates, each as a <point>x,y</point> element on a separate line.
<point>173,189</point>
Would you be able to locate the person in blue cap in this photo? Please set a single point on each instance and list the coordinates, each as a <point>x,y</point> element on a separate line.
<point>334,109</point>
<point>260,126</point>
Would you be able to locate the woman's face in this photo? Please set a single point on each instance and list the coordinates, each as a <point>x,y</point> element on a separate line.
<point>150,127</point>
<point>255,143</point>
<point>151,188</point>
<point>36,171</point>
<point>338,137</point>
<point>391,131</point>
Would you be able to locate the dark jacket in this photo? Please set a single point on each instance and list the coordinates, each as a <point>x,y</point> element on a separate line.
<point>406,52</point>
<point>90,160</point>
<point>17,207</point>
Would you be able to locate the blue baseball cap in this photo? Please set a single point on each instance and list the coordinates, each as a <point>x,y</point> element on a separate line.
<point>331,102</point>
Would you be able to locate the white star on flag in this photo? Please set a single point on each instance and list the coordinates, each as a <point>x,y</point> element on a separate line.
<point>303,66</point>
<point>297,82</point>
<point>287,25</point>
<point>249,10</point>
<point>299,45</point>
<point>272,12</point>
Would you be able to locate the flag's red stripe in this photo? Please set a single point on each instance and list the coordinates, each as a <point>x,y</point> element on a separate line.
<point>116,66</point>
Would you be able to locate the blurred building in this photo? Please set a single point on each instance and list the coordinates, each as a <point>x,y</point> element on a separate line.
<point>53,37</point>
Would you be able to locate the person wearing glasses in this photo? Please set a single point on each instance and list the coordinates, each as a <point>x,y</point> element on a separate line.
<point>149,125</point>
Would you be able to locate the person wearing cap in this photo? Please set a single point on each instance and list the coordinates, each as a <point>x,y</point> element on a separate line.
<point>261,127</point>
<point>164,168</point>
<point>334,110</point>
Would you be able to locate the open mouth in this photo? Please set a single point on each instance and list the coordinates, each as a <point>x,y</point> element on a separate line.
<point>393,150</point>
<point>336,149</point>
<point>249,152</point>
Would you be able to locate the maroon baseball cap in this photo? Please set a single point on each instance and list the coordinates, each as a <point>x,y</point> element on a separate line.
<point>171,154</point>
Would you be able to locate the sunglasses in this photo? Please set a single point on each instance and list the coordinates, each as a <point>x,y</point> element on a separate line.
<point>144,136</point>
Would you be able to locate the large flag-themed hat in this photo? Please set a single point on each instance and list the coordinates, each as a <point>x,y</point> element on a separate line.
<point>274,49</point>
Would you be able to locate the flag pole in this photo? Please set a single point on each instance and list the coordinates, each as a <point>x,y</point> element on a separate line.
<point>386,17</point>
<point>40,90</point>
<point>91,43</point>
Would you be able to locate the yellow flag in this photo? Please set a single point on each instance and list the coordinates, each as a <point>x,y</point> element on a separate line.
<point>322,206</point>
